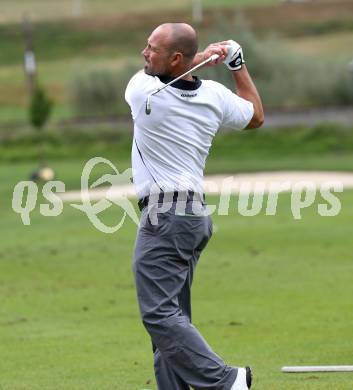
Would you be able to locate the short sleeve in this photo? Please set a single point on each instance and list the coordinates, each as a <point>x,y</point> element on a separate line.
<point>138,89</point>
<point>237,112</point>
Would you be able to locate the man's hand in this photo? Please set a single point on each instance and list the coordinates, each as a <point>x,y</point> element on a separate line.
<point>220,48</point>
<point>230,53</point>
<point>235,57</point>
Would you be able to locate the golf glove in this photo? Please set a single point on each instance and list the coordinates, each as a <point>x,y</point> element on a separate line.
<point>235,56</point>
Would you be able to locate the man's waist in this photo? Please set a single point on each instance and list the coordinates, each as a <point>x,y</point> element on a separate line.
<point>170,197</point>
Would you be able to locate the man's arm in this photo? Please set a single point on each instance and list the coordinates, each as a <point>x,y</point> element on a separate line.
<point>244,85</point>
<point>246,89</point>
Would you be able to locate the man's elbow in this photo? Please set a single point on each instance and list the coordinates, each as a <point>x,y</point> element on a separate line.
<point>256,121</point>
<point>259,121</point>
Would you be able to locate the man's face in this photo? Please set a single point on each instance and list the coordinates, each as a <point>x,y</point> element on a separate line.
<point>156,53</point>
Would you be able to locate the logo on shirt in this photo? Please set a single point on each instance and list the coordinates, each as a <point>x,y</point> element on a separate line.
<point>188,95</point>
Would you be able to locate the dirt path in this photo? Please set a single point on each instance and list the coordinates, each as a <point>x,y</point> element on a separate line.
<point>215,184</point>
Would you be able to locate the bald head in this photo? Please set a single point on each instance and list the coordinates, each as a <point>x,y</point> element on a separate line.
<point>182,38</point>
<point>170,49</point>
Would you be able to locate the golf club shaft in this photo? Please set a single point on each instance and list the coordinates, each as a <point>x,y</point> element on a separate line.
<point>213,57</point>
<point>301,369</point>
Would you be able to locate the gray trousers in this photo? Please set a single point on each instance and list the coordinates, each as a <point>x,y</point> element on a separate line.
<point>164,262</point>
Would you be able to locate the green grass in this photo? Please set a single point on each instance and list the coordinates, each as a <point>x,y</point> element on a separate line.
<point>269,291</point>
<point>326,147</point>
<point>65,39</point>
<point>321,148</point>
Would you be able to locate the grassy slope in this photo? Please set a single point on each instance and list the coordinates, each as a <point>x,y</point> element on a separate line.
<point>318,46</point>
<point>320,148</point>
<point>57,71</point>
<point>269,291</point>
<point>41,9</point>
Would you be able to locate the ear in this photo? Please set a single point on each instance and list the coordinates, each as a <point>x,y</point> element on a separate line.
<point>176,59</point>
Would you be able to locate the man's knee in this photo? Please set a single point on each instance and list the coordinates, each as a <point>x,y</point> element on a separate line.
<point>164,330</point>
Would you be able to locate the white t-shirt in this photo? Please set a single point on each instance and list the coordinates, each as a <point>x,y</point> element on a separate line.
<point>171,144</point>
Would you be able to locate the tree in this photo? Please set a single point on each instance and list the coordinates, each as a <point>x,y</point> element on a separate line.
<point>40,108</point>
<point>39,112</point>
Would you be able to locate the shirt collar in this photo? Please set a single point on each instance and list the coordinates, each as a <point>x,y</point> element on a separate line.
<point>182,84</point>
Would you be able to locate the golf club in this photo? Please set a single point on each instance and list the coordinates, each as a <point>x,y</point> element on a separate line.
<point>301,369</point>
<point>148,101</point>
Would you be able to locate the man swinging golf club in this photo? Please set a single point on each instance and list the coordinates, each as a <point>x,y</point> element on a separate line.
<point>173,131</point>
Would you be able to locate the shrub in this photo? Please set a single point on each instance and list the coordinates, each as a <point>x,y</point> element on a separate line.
<point>100,92</point>
<point>283,78</point>
<point>40,108</point>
